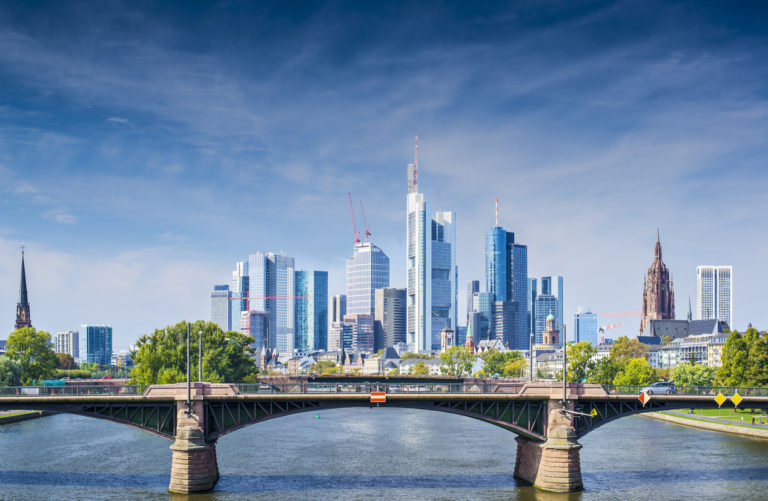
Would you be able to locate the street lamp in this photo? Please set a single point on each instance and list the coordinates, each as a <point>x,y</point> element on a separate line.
<point>200,357</point>
<point>530,355</point>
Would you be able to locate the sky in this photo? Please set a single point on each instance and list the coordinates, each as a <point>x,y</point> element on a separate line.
<point>145,147</point>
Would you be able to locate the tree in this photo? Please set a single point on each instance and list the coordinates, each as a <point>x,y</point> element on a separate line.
<point>33,349</point>
<point>457,361</point>
<point>325,367</point>
<point>580,362</point>
<point>161,357</point>
<point>505,364</point>
<point>733,361</point>
<point>408,355</point>
<point>10,372</point>
<point>666,339</point>
<point>604,371</point>
<point>393,372</point>
<point>693,375</point>
<point>65,361</point>
<point>420,369</point>
<point>757,371</point>
<point>624,349</point>
<point>637,371</point>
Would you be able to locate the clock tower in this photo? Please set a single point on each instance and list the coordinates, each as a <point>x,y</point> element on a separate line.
<point>658,291</point>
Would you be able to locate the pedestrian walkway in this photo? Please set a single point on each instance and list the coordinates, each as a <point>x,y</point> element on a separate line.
<point>747,422</point>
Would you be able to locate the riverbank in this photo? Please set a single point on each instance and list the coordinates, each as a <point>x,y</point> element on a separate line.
<point>685,420</point>
<point>15,417</point>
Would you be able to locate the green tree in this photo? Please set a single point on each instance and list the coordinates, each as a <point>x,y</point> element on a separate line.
<point>10,372</point>
<point>65,361</point>
<point>666,339</point>
<point>420,369</point>
<point>637,371</point>
<point>33,349</point>
<point>604,371</point>
<point>757,371</point>
<point>506,364</point>
<point>693,375</point>
<point>733,361</point>
<point>624,349</point>
<point>325,367</point>
<point>160,357</point>
<point>580,362</point>
<point>457,361</point>
<point>408,355</point>
<point>393,372</point>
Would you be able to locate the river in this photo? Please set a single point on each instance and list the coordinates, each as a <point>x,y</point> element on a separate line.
<point>376,453</point>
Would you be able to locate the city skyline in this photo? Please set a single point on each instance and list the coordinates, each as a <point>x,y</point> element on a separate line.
<point>202,160</point>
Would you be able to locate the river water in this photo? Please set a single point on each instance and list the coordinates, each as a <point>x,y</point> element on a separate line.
<point>376,453</point>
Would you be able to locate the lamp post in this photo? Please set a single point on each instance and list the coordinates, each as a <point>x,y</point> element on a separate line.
<point>200,357</point>
<point>530,355</point>
<point>189,384</point>
<point>565,367</point>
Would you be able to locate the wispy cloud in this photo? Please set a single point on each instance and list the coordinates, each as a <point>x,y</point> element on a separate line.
<point>61,216</point>
<point>118,120</point>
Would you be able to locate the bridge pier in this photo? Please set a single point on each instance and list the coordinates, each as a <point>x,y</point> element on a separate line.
<point>554,465</point>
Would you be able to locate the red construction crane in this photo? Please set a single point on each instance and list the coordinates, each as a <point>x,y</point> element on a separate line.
<point>354,226</point>
<point>365,222</point>
<point>269,297</point>
<point>622,314</point>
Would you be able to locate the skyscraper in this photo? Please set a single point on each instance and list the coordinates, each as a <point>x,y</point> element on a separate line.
<point>389,317</point>
<point>506,276</point>
<point>255,324</point>
<point>221,313</point>
<point>585,326</point>
<point>482,304</point>
<point>68,342</point>
<point>338,308</point>
<point>311,310</point>
<point>472,287</point>
<point>98,344</point>
<point>367,270</point>
<point>271,289</point>
<point>362,332</point>
<point>553,285</point>
<point>714,293</point>
<point>431,268</point>
<point>546,304</point>
<point>239,293</point>
<point>658,291</point>
<point>532,293</point>
<point>23,316</point>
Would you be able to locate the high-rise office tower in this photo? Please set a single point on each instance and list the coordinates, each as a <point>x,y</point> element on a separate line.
<point>389,317</point>
<point>311,310</point>
<point>23,316</point>
<point>585,326</point>
<point>367,270</point>
<point>238,293</point>
<point>221,313</point>
<point>472,287</point>
<point>362,332</point>
<point>338,308</point>
<point>532,293</point>
<point>546,304</point>
<point>68,342</point>
<point>553,285</point>
<point>255,324</point>
<point>98,344</point>
<point>506,278</point>
<point>482,304</point>
<point>271,289</point>
<point>714,293</point>
<point>340,336</point>
<point>431,268</point>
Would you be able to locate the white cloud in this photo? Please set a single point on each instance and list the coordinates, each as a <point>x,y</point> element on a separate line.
<point>60,216</point>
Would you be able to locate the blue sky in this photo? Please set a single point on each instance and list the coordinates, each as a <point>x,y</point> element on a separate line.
<point>145,147</point>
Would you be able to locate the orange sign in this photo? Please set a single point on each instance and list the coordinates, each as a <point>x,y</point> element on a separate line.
<point>378,397</point>
<point>644,398</point>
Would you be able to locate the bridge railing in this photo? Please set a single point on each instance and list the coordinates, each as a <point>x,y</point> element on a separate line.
<point>744,391</point>
<point>391,388</point>
<point>71,391</point>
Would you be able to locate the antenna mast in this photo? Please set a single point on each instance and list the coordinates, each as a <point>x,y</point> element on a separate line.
<point>497,211</point>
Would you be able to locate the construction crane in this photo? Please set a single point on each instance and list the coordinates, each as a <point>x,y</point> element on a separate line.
<point>606,327</point>
<point>268,297</point>
<point>365,222</point>
<point>354,226</point>
<point>622,314</point>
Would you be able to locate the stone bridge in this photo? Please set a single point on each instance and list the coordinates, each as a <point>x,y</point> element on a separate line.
<point>195,417</point>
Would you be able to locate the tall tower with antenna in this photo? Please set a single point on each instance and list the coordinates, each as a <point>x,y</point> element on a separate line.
<point>23,318</point>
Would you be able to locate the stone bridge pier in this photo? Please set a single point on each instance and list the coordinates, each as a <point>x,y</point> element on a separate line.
<point>553,465</point>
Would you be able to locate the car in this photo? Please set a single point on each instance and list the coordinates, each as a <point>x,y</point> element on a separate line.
<point>660,388</point>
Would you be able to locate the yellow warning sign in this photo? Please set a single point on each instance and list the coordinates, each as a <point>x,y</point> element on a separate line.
<point>736,399</point>
<point>720,399</point>
<point>593,412</point>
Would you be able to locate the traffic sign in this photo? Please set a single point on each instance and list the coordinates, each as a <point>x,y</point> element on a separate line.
<point>720,398</point>
<point>378,397</point>
<point>736,399</point>
<point>593,412</point>
<point>644,398</point>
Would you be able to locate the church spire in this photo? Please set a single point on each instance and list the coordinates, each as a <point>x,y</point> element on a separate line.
<point>658,246</point>
<point>22,307</point>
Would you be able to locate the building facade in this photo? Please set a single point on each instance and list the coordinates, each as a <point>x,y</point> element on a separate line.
<point>367,270</point>
<point>430,267</point>
<point>338,308</point>
<point>482,305</point>
<point>531,307</point>
<point>362,332</point>
<point>389,317</point>
<point>658,291</point>
<point>714,293</point>
<point>255,324</point>
<point>585,326</point>
<point>271,288</point>
<point>68,342</point>
<point>311,310</point>
<point>546,304</point>
<point>98,344</point>
<point>221,312</point>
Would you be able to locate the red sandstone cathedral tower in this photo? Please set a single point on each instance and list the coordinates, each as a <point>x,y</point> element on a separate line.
<point>658,291</point>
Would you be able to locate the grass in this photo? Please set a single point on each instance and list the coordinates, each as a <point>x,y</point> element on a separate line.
<point>694,418</point>
<point>730,413</point>
<point>17,414</point>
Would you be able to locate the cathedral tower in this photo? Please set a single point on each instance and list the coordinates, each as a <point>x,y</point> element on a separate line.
<point>22,307</point>
<point>658,291</point>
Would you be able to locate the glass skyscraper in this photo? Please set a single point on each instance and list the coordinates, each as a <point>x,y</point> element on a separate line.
<point>255,324</point>
<point>482,303</point>
<point>98,344</point>
<point>271,289</point>
<point>311,310</point>
<point>546,304</point>
<point>389,317</point>
<point>367,270</point>
<point>221,313</point>
<point>585,326</point>
<point>431,269</point>
<point>532,293</point>
<point>714,293</point>
<point>553,285</point>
